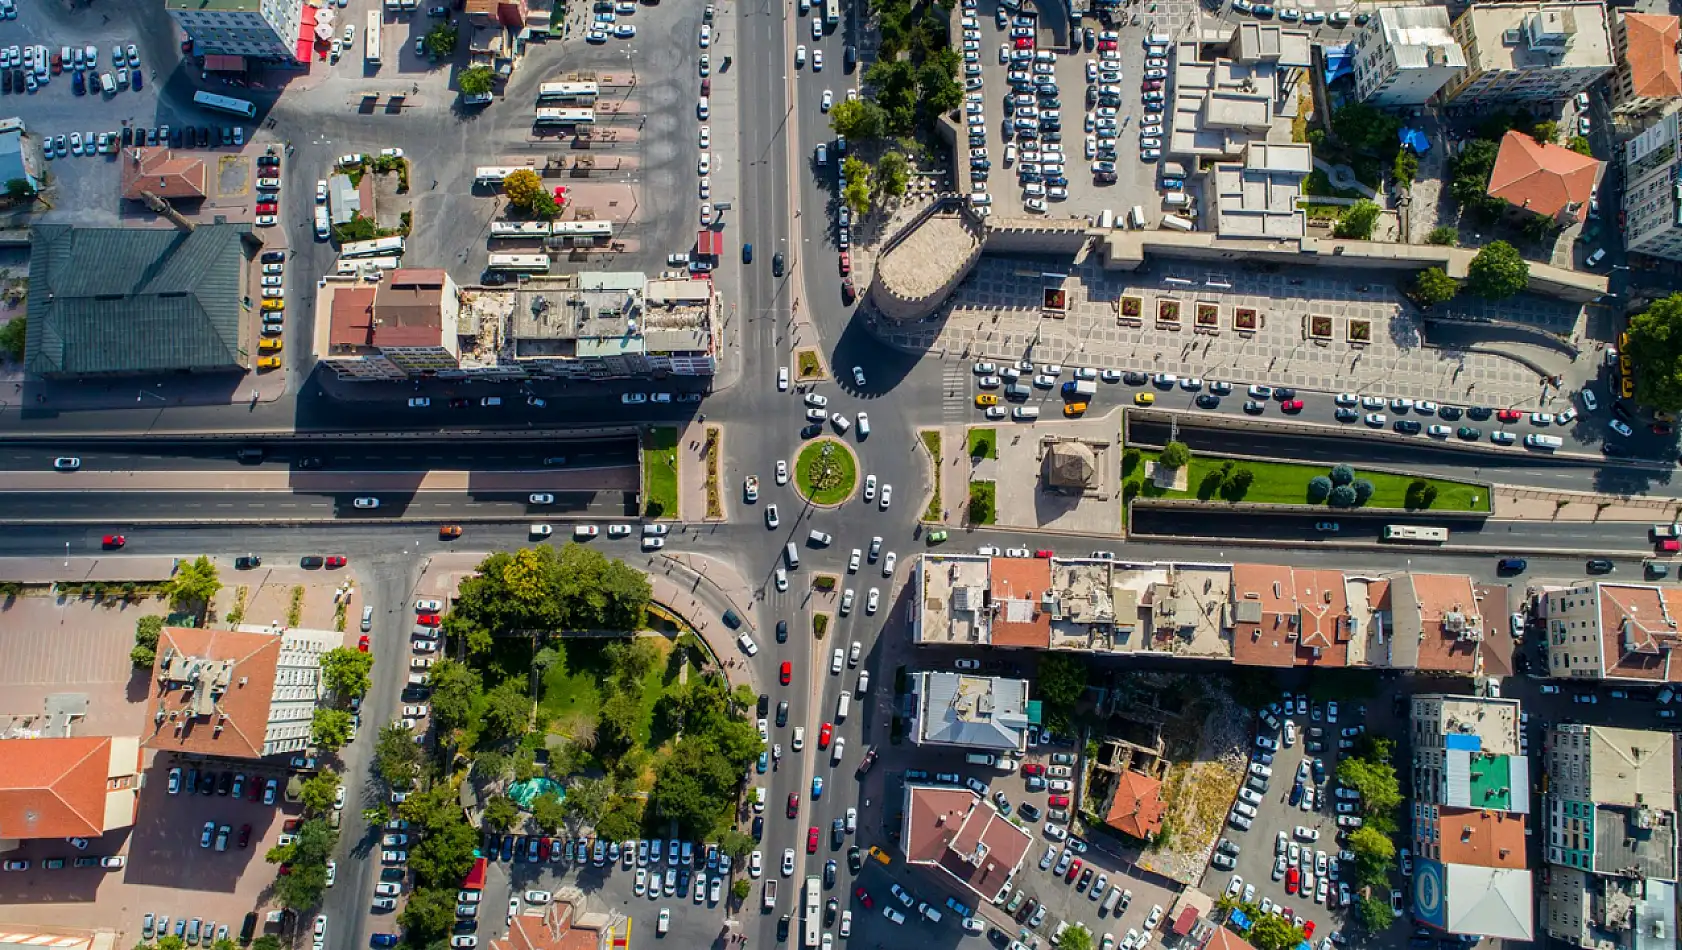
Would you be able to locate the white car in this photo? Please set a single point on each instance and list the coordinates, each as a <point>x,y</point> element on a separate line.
<point>888,564</point>
<point>870,488</point>
<point>872,601</point>
<point>887,496</point>
<point>853,562</point>
<point>836,661</point>
<point>828,100</point>
<point>788,862</point>
<point>799,55</point>
<point>782,472</point>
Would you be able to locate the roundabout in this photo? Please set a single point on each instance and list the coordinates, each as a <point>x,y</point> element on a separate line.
<point>826,472</point>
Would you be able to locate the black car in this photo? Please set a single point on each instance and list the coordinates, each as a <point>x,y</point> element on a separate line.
<point>247,562</point>
<point>207,783</point>
<point>849,57</point>
<point>1347,414</point>
<point>1091,40</point>
<point>764,705</point>
<point>1135,378</point>
<point>1450,413</point>
<point>1612,449</point>
<point>782,927</point>
<point>777,264</point>
<point>128,135</point>
<point>204,136</point>
<point>17,79</point>
<point>837,834</point>
<point>829,875</point>
<point>1407,426</point>
<point>1029,811</point>
<point>1284,394</point>
<point>732,619</point>
<point>273,257</point>
<point>782,714</point>
<point>758,827</point>
<point>1254,408</point>
<point>832,908</point>
<point>1600,565</point>
<point>855,859</point>
<point>1208,401</point>
<point>267,160</point>
<point>1479,413</point>
<point>1511,565</point>
<point>175,137</point>
<point>782,631</point>
<point>1469,433</point>
<point>311,561</point>
<point>225,783</point>
<point>6,81</point>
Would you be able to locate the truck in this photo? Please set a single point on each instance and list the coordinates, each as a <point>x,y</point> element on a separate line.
<point>770,900</point>
<point>1080,387</point>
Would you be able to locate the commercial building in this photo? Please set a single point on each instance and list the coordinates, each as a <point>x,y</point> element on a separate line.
<point>612,325</point>
<point>1403,55</point>
<point>1653,190</point>
<point>1471,796</point>
<point>1519,53</point>
<point>1649,75</point>
<point>1613,631</point>
<point>240,694</point>
<point>1543,179</point>
<point>1222,104</point>
<point>67,787</point>
<point>272,30</point>
<point>149,173</point>
<point>1611,837</point>
<point>406,326</point>
<point>137,301</point>
<point>962,839</point>
<point>987,713</point>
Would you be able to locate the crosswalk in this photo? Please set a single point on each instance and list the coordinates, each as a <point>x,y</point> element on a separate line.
<point>954,393</point>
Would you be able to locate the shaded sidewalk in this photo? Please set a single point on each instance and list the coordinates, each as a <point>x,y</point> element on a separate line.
<point>1513,503</point>
<point>700,589</point>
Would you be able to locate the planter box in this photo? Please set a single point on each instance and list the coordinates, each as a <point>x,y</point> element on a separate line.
<point>1317,327</point>
<point>1168,313</point>
<point>1246,320</point>
<point>1358,332</point>
<point>1208,316</point>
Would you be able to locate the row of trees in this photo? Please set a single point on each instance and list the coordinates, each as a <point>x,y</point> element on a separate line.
<point>526,192</point>
<point>697,783</point>
<point>869,185</point>
<point>304,859</point>
<point>1339,488</point>
<point>1654,349</point>
<point>1496,273</point>
<point>1370,771</point>
<point>542,590</point>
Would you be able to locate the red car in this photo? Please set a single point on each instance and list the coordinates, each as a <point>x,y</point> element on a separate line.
<point>1058,801</point>
<point>1509,415</point>
<point>1106,45</point>
<point>824,735</point>
<point>786,672</point>
<point>1045,552</point>
<point>1074,871</point>
<point>793,804</point>
<point>268,207</point>
<point>337,560</point>
<point>1670,545</point>
<point>1291,405</point>
<point>362,644</point>
<point>1292,879</point>
<point>543,847</point>
<point>846,263</point>
<point>812,840</point>
<point>1033,769</point>
<point>114,541</point>
<point>1308,928</point>
<point>244,835</point>
<point>1150,85</point>
<point>1024,42</point>
<point>428,620</point>
<point>864,897</point>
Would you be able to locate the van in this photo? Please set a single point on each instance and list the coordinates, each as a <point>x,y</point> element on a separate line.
<point>1018,391</point>
<point>1106,219</point>
<point>823,155</point>
<point>864,682</point>
<point>932,914</point>
<point>982,200</point>
<point>819,538</point>
<point>1136,218</point>
<point>1080,387</point>
<point>1176,199</point>
<point>843,706</point>
<point>1025,413</point>
<point>323,227</point>
<point>1545,442</point>
<point>367,618</point>
<point>1158,39</point>
<point>1110,901</point>
<point>491,401</point>
<point>1176,223</point>
<point>980,758</point>
<point>793,555</point>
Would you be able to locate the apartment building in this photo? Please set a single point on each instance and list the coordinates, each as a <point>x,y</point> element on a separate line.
<point>1653,190</point>
<point>269,30</point>
<point>987,713</point>
<point>1649,74</point>
<point>962,839</point>
<point>1518,53</point>
<point>1404,55</point>
<point>1613,631</point>
<point>406,326</point>
<point>63,787</point>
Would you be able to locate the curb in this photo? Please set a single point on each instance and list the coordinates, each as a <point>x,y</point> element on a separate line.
<point>857,467</point>
<point>1479,549</point>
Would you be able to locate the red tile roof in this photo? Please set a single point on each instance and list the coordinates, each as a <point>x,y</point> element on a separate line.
<point>1480,836</point>
<point>352,316</point>
<point>161,173</point>
<point>1545,179</point>
<point>1137,806</point>
<point>56,788</point>
<point>1438,600</point>
<point>1018,585</point>
<point>1650,54</point>
<point>240,701</point>
<point>1638,630</point>
<point>1303,616</point>
<point>952,829</point>
<point>554,929</point>
<point>1224,939</point>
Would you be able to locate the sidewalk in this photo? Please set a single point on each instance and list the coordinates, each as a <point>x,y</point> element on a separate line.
<point>692,473</point>
<point>1513,503</point>
<point>700,589</point>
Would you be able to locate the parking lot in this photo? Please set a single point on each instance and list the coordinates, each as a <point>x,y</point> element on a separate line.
<point>1072,98</point>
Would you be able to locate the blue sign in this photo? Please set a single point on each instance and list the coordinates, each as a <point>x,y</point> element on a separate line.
<point>1429,896</point>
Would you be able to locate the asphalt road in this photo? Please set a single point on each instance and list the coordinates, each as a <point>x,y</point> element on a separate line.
<point>367,455</point>
<point>1515,537</point>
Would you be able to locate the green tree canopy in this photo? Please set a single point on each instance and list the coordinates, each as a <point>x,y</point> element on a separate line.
<point>444,852</point>
<point>1376,781</point>
<point>1356,222</point>
<point>346,671</point>
<point>501,813</point>
<point>1374,854</point>
<point>1433,286</point>
<point>1075,937</point>
<point>456,694</point>
<point>1654,350</point>
<point>507,712</point>
<point>1273,932</point>
<point>1374,913</point>
<point>1497,272</point>
<point>1175,455</point>
<point>318,792</point>
<point>12,334</point>
<point>695,785</point>
<point>859,120</point>
<point>1443,235</point>
<point>1061,684</point>
<point>194,584</point>
<point>587,799</point>
<point>475,80</point>
<point>397,759</point>
<point>893,174</point>
<point>549,811</point>
<point>441,41</point>
<point>1367,129</point>
<point>306,859</point>
<point>546,590</point>
<point>330,728</point>
<point>428,915</point>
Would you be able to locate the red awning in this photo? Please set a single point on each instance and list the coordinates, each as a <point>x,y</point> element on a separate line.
<point>475,880</point>
<point>306,35</point>
<point>1184,922</point>
<point>224,63</point>
<point>709,243</point>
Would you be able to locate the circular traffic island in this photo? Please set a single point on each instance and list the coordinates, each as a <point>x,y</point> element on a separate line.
<point>826,472</point>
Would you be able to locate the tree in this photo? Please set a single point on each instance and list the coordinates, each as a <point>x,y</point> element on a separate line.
<point>507,712</point>
<point>1469,174</point>
<point>1654,350</point>
<point>194,584</point>
<point>1318,488</point>
<point>1237,483</point>
<point>1498,272</point>
<point>893,174</point>
<point>1443,235</point>
<point>1062,682</point>
<point>1374,853</point>
<point>1342,474</point>
<point>170,942</point>
<point>396,757</point>
<point>345,671</point>
<point>318,792</point>
<point>428,915</point>
<point>1433,286</point>
<point>587,799</point>
<point>1376,781</point>
<point>446,842</point>
<point>475,81</point>
<point>1580,145</point>
<point>858,119</point>
<point>1363,490</point>
<point>545,658</point>
<point>147,631</point>
<point>522,186</point>
<point>501,813</point>
<point>1273,932</point>
<point>857,192</point>
<point>330,729</point>
<point>623,819</point>
<point>741,889</point>
<point>1356,222</point>
<point>12,336</point>
<point>1175,455</point>
<point>1374,914</point>
<point>441,41</point>
<point>1406,168</point>
<point>1367,129</point>
<point>306,857</point>
<point>1342,496</point>
<point>18,189</point>
<point>632,659</point>
<point>1075,937</point>
<point>1545,131</point>
<point>544,205</point>
<point>265,942</point>
<point>549,811</point>
<point>455,692</point>
<point>1420,494</point>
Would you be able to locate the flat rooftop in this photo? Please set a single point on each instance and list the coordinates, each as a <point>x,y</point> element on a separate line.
<point>953,601</point>
<point>1580,28</point>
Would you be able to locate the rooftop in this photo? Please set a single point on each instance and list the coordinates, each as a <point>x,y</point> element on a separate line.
<point>954,830</point>
<point>1543,178</point>
<point>1649,54</point>
<point>1258,198</point>
<point>1487,726</point>
<point>212,690</point>
<point>981,712</point>
<point>553,927</point>
<point>1494,902</point>
<point>1137,807</point>
<point>1284,616</point>
<point>67,787</point>
<point>1420,37</point>
<point>161,173</point>
<point>1480,836</point>
<point>952,604</point>
<point>1637,842</point>
<point>1638,630</point>
<point>1223,103</point>
<point>1544,36</point>
<point>236,6</point>
<point>1632,767</point>
<point>1018,587</point>
<point>1437,623</point>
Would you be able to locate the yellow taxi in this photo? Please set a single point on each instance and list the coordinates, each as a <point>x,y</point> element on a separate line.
<point>1074,409</point>
<point>272,304</point>
<point>1143,399</point>
<point>268,362</point>
<point>269,344</point>
<point>986,399</point>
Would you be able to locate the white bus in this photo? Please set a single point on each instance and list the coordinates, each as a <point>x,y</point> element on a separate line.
<point>211,100</point>
<point>491,176</point>
<point>379,247</point>
<point>372,51</point>
<point>832,12</point>
<point>566,116</point>
<point>520,263</point>
<point>584,233</point>
<point>579,93</point>
<point>1413,532</point>
<point>520,229</point>
<point>812,910</point>
<point>351,267</point>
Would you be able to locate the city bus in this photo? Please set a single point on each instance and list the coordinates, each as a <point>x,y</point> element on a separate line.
<point>813,909</point>
<point>574,93</point>
<point>566,116</point>
<point>516,230</point>
<point>379,247</point>
<point>211,100</point>
<point>583,233</point>
<point>520,263</point>
<point>1415,533</point>
<point>832,13</point>
<point>372,51</point>
<point>366,265</point>
<point>491,176</point>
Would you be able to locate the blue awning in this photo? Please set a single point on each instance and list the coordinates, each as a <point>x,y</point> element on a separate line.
<point>1340,61</point>
<point>1415,139</point>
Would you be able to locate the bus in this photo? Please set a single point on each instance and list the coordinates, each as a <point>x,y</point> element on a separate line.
<point>372,50</point>
<point>211,100</point>
<point>812,911</point>
<point>573,93</point>
<point>491,176</point>
<point>832,13</point>
<point>583,233</point>
<point>566,116</point>
<point>379,247</point>
<point>515,230</point>
<point>1416,533</point>
<point>520,263</point>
